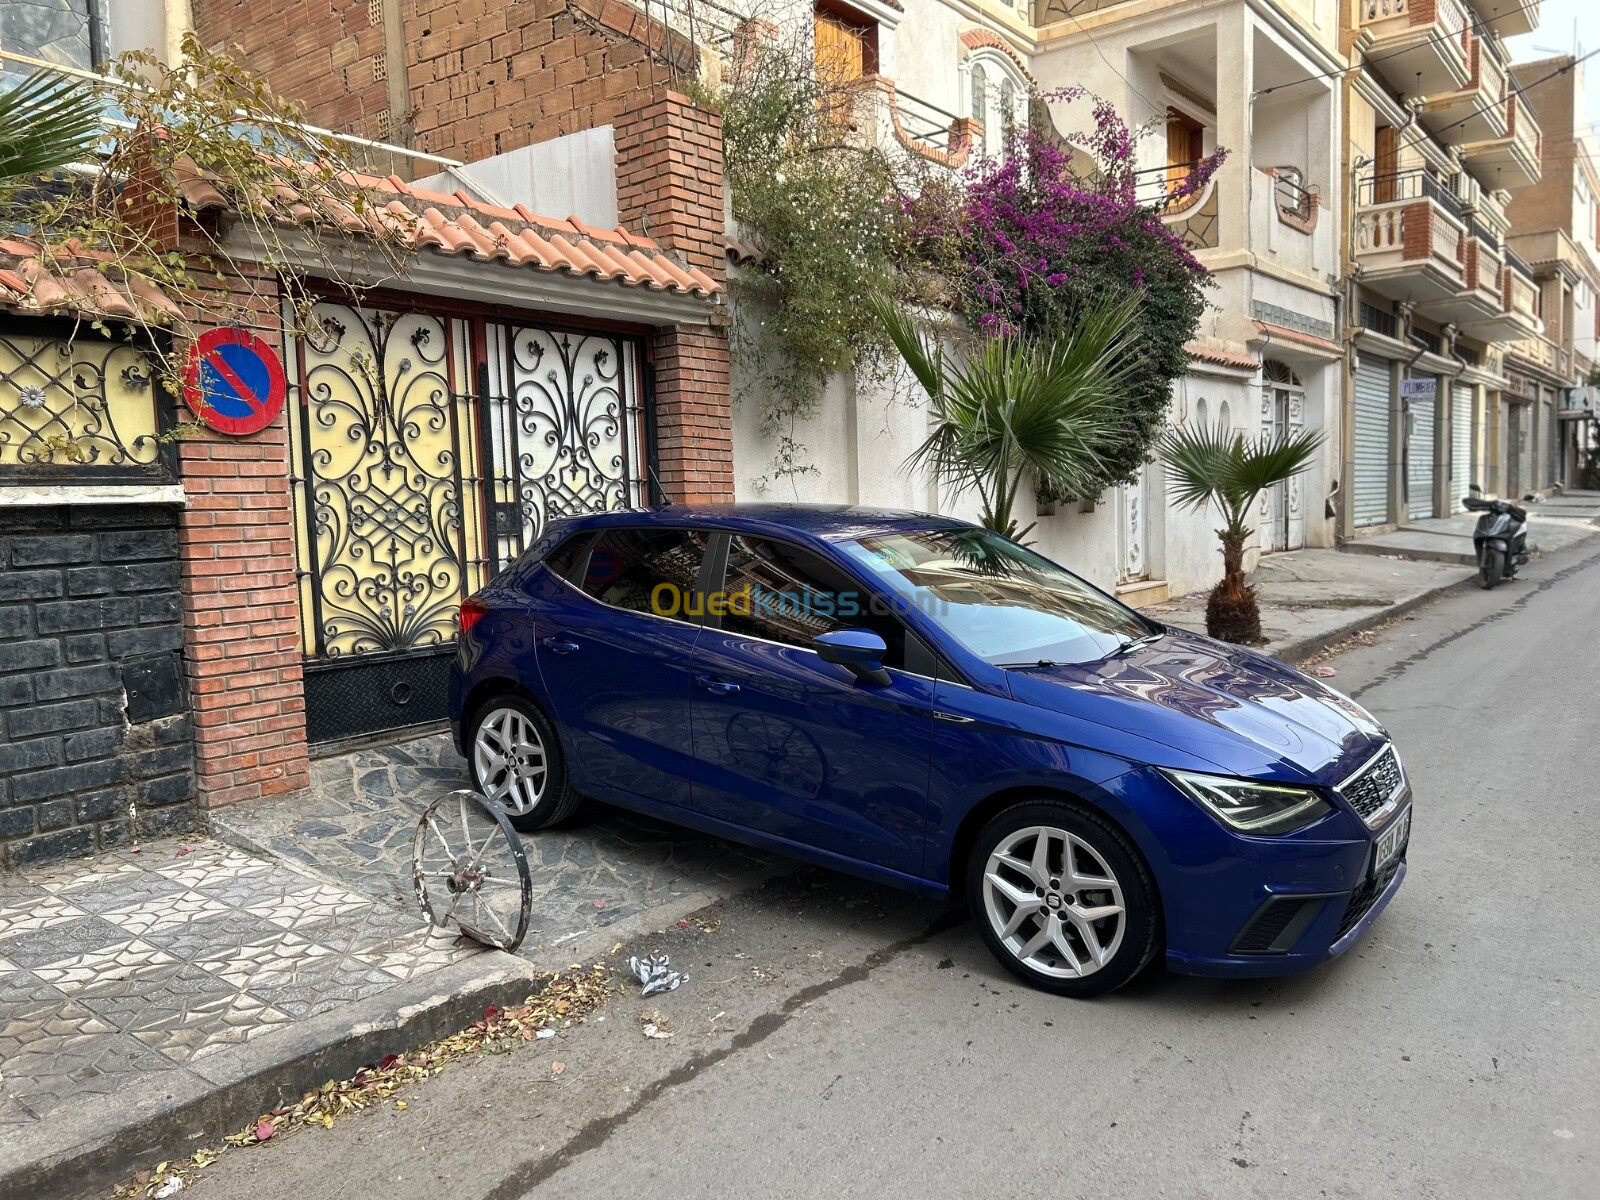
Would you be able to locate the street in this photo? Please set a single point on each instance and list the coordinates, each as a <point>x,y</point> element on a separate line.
<point>836,1038</point>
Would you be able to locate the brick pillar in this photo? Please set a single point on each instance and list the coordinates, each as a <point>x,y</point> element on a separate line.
<point>669,187</point>
<point>241,602</point>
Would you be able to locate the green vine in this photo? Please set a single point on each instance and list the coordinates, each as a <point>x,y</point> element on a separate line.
<point>813,196</point>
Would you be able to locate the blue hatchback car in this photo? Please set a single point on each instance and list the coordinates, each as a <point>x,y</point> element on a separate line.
<point>925,703</point>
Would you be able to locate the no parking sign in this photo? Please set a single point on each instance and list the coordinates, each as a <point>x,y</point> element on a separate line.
<point>234,382</point>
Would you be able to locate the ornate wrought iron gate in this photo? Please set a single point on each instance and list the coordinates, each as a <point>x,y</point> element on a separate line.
<point>428,451</point>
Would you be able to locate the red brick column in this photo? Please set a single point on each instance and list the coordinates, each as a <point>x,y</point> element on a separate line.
<point>241,602</point>
<point>670,188</point>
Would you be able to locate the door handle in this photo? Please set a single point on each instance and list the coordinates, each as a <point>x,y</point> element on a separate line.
<point>717,687</point>
<point>559,645</point>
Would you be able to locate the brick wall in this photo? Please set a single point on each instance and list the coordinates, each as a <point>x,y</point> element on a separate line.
<point>482,77</point>
<point>322,53</point>
<point>240,602</point>
<point>490,77</point>
<point>669,178</point>
<point>89,614</point>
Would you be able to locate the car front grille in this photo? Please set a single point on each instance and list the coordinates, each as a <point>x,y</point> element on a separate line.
<point>1364,897</point>
<point>1373,789</point>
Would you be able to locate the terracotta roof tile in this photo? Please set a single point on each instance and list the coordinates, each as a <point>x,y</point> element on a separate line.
<point>1280,333</point>
<point>458,224</point>
<point>1220,355</point>
<point>81,285</point>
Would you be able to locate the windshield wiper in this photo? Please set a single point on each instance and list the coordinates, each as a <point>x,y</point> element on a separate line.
<point>1035,662</point>
<point>1133,644</point>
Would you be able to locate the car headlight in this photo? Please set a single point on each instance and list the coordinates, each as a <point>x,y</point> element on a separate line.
<point>1252,807</point>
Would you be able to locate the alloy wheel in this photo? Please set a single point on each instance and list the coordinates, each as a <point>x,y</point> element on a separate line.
<point>1054,902</point>
<point>509,757</point>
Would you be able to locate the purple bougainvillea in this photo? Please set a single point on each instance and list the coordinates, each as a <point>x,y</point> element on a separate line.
<point>1057,223</point>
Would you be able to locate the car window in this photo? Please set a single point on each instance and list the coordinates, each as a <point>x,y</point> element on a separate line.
<point>1002,601</point>
<point>645,570</point>
<point>781,592</point>
<point>564,557</point>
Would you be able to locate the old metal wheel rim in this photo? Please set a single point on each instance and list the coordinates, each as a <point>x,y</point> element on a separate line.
<point>509,756</point>
<point>1053,901</point>
<point>469,871</point>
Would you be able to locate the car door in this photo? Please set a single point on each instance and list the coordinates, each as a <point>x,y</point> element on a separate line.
<point>616,660</point>
<point>791,746</point>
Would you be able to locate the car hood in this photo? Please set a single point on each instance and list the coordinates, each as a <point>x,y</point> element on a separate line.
<point>1237,710</point>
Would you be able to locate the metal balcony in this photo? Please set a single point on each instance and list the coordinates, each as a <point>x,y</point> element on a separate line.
<point>1420,49</point>
<point>1410,239</point>
<point>1512,159</point>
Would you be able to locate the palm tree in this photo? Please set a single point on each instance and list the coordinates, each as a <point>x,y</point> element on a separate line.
<point>1039,409</point>
<point>1206,465</point>
<point>46,121</point>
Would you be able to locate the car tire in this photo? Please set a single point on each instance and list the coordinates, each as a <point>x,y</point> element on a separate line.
<point>1037,916</point>
<point>516,763</point>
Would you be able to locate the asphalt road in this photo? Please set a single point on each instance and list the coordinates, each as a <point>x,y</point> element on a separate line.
<point>838,1039</point>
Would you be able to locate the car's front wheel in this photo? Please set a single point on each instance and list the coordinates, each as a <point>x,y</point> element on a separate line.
<point>1062,899</point>
<point>516,762</point>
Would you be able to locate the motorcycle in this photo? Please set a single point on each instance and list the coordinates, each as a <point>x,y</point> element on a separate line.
<point>1500,539</point>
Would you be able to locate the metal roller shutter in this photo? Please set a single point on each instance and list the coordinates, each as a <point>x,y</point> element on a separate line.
<point>1419,460</point>
<point>1526,449</point>
<point>1370,502</point>
<point>1460,443</point>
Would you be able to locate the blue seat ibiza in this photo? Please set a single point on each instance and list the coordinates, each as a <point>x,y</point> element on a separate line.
<point>925,703</point>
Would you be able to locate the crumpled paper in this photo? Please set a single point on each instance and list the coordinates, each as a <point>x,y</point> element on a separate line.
<point>655,975</point>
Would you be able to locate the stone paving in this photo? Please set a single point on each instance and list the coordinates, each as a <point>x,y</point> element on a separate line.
<point>135,964</point>
<point>604,867</point>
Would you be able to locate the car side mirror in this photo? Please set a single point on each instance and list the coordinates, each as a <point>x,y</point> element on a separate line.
<point>858,650</point>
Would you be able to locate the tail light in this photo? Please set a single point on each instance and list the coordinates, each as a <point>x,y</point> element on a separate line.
<point>472,611</point>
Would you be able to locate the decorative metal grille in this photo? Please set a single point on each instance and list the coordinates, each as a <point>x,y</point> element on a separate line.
<point>79,408</point>
<point>563,414</point>
<point>429,450</point>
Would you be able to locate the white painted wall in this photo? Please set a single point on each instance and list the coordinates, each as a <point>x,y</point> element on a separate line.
<point>570,176</point>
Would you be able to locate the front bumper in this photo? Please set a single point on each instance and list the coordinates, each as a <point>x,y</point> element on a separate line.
<point>1309,950</point>
<point>1246,906</point>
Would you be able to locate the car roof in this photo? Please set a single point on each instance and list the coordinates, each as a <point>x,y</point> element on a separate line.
<point>826,522</point>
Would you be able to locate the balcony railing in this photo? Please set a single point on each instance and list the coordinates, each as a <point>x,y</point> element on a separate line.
<point>1407,185</point>
<point>1410,238</point>
<point>1524,128</point>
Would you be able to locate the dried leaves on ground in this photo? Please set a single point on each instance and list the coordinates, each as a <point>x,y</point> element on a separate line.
<point>565,999</point>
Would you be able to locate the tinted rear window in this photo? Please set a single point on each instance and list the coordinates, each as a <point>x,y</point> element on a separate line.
<point>626,566</point>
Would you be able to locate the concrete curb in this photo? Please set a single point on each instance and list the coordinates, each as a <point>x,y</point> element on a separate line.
<point>86,1149</point>
<point>1299,650</point>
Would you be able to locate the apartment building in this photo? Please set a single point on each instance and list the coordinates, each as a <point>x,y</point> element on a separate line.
<point>1555,229</point>
<point>1439,138</point>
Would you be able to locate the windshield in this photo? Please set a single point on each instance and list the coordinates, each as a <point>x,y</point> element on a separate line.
<point>1002,602</point>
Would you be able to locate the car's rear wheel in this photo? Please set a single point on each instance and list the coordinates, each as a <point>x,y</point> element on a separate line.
<point>1062,899</point>
<point>515,759</point>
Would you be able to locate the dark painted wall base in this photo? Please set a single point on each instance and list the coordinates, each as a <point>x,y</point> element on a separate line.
<point>96,736</point>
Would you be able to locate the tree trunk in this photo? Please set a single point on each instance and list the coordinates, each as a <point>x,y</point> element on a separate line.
<point>1231,611</point>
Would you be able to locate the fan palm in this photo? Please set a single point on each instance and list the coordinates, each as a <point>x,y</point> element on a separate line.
<point>1046,410</point>
<point>1215,465</point>
<point>46,121</point>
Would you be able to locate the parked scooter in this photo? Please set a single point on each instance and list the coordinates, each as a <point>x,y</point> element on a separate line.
<point>1501,537</point>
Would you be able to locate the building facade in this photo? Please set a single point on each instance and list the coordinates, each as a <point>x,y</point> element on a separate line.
<point>183,621</point>
<point>1555,229</point>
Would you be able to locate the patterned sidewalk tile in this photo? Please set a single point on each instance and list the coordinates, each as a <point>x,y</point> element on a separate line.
<point>131,965</point>
<point>358,823</point>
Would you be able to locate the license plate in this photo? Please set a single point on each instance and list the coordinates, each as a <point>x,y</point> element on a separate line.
<point>1391,841</point>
